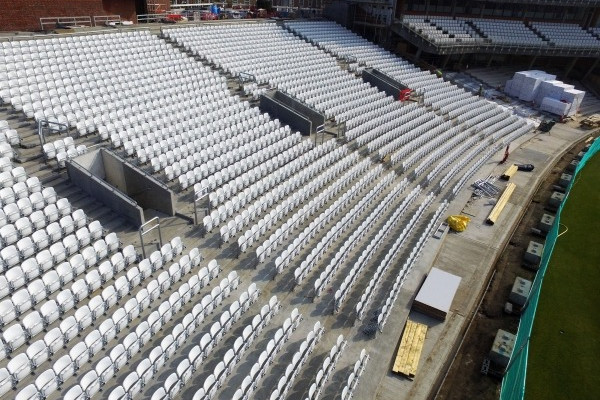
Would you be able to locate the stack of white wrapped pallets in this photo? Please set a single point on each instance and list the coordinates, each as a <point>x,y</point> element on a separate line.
<point>525,84</point>
<point>537,85</point>
<point>554,106</point>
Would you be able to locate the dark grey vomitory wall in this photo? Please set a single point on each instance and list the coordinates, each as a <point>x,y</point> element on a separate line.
<point>120,185</point>
<point>105,193</point>
<point>292,112</point>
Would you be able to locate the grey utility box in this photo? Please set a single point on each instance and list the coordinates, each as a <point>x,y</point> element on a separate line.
<point>546,223</point>
<point>533,254</point>
<point>520,292</point>
<point>579,155</point>
<point>564,180</point>
<point>503,346</point>
<point>572,166</point>
<point>556,199</point>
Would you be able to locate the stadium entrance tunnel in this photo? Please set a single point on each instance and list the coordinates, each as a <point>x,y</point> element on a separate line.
<point>291,111</point>
<point>120,185</point>
<point>383,82</point>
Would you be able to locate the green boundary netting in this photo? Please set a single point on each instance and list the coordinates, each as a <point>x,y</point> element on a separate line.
<point>513,384</point>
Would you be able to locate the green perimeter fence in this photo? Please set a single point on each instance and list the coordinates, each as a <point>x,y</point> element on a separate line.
<point>513,383</point>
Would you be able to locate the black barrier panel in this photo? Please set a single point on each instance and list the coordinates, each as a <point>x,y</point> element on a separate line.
<point>314,116</point>
<point>286,115</point>
<point>383,82</point>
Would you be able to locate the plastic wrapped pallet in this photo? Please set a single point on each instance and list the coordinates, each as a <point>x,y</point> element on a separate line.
<point>555,106</point>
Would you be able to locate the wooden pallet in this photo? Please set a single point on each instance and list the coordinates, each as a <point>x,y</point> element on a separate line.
<point>409,351</point>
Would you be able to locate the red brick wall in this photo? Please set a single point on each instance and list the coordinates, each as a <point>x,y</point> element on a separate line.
<point>163,5</point>
<point>24,15</point>
<point>126,9</point>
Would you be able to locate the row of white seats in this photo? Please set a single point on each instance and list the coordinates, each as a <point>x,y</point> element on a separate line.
<point>278,212</point>
<point>366,255</point>
<point>8,135</point>
<point>507,135</point>
<point>508,32</point>
<point>58,239</point>
<point>18,202</point>
<point>350,44</point>
<point>273,156</point>
<point>232,164</point>
<point>275,185</point>
<point>337,230</point>
<point>386,263</point>
<point>476,116</point>
<point>95,279</point>
<point>61,245</point>
<point>428,147</point>
<point>323,374</point>
<point>175,148</point>
<point>441,149</point>
<point>215,381</point>
<point>386,309</point>
<point>457,166</point>
<point>373,135</point>
<point>452,157</point>
<point>413,141</point>
<point>298,359</point>
<point>351,242</point>
<point>503,128</point>
<point>285,66</point>
<point>305,193</point>
<point>563,34</point>
<point>63,149</point>
<point>421,128</point>
<point>39,289</point>
<point>209,107</point>
<point>11,175</point>
<point>253,89</point>
<point>267,356</point>
<point>354,124</point>
<point>324,217</point>
<point>91,382</point>
<point>211,119</point>
<point>86,314</point>
<point>199,165</point>
<point>259,172</point>
<point>87,123</point>
<point>284,191</point>
<point>293,249</point>
<point>354,377</point>
<point>152,365</point>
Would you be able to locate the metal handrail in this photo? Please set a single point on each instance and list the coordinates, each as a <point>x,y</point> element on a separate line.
<point>84,20</point>
<point>103,19</point>
<point>143,232</point>
<point>148,18</point>
<point>52,126</point>
<point>199,196</point>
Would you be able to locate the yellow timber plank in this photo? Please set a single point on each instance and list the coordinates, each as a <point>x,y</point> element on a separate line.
<point>510,171</point>
<point>409,351</point>
<point>502,201</point>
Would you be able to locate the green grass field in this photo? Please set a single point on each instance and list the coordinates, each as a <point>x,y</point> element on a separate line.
<point>565,344</point>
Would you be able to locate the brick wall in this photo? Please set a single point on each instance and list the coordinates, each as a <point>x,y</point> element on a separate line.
<point>24,15</point>
<point>126,9</point>
<point>162,5</point>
